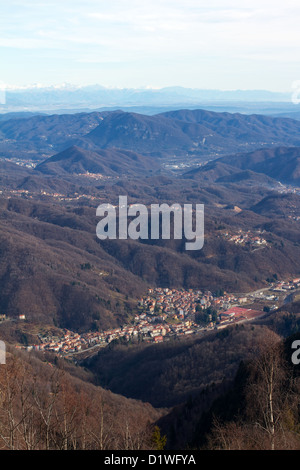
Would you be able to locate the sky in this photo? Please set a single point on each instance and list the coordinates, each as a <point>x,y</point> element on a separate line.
<point>224,45</point>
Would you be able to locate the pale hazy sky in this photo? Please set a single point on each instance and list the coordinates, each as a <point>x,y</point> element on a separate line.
<point>136,43</point>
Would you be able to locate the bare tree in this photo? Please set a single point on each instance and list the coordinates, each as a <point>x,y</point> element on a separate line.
<point>269,415</point>
<point>45,397</point>
<point>9,396</point>
<point>267,392</point>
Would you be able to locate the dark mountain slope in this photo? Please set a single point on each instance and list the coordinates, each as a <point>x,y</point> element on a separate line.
<point>54,128</point>
<point>218,172</point>
<point>169,373</point>
<point>183,134</point>
<point>249,177</point>
<point>40,136</point>
<point>45,244</point>
<point>211,172</point>
<point>12,171</point>
<point>280,205</point>
<point>192,132</point>
<point>241,127</point>
<point>75,160</point>
<point>11,174</point>
<point>282,163</point>
<point>54,406</point>
<point>153,135</point>
<point>43,251</point>
<point>239,418</point>
<point>18,115</point>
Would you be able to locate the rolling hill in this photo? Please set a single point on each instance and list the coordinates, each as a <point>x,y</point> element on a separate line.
<point>45,245</point>
<point>279,205</point>
<point>38,137</point>
<point>112,162</point>
<point>183,134</point>
<point>189,133</point>
<point>218,172</point>
<point>280,163</point>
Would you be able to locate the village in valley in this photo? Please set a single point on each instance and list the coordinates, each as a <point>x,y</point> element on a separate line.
<point>248,238</point>
<point>164,313</point>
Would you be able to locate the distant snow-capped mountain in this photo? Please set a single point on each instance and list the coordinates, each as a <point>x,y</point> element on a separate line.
<point>67,95</point>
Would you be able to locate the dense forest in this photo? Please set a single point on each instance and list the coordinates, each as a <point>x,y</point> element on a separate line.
<point>262,409</point>
<point>47,405</point>
<point>259,409</point>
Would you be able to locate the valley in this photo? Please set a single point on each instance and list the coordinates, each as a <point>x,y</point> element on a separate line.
<point>146,320</point>
<point>164,314</point>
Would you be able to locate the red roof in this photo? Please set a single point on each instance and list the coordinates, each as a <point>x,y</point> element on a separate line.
<point>245,312</point>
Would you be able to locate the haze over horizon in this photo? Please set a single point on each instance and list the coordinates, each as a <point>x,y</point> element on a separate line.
<point>77,86</point>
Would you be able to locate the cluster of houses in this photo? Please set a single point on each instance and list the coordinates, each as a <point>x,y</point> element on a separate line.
<point>294,217</point>
<point>246,238</point>
<point>3,317</point>
<point>71,342</point>
<point>287,190</point>
<point>58,196</point>
<point>163,313</point>
<point>283,286</point>
<point>179,304</point>
<point>95,176</point>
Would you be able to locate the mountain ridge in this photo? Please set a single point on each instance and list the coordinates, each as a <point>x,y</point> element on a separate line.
<point>183,134</point>
<point>110,162</point>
